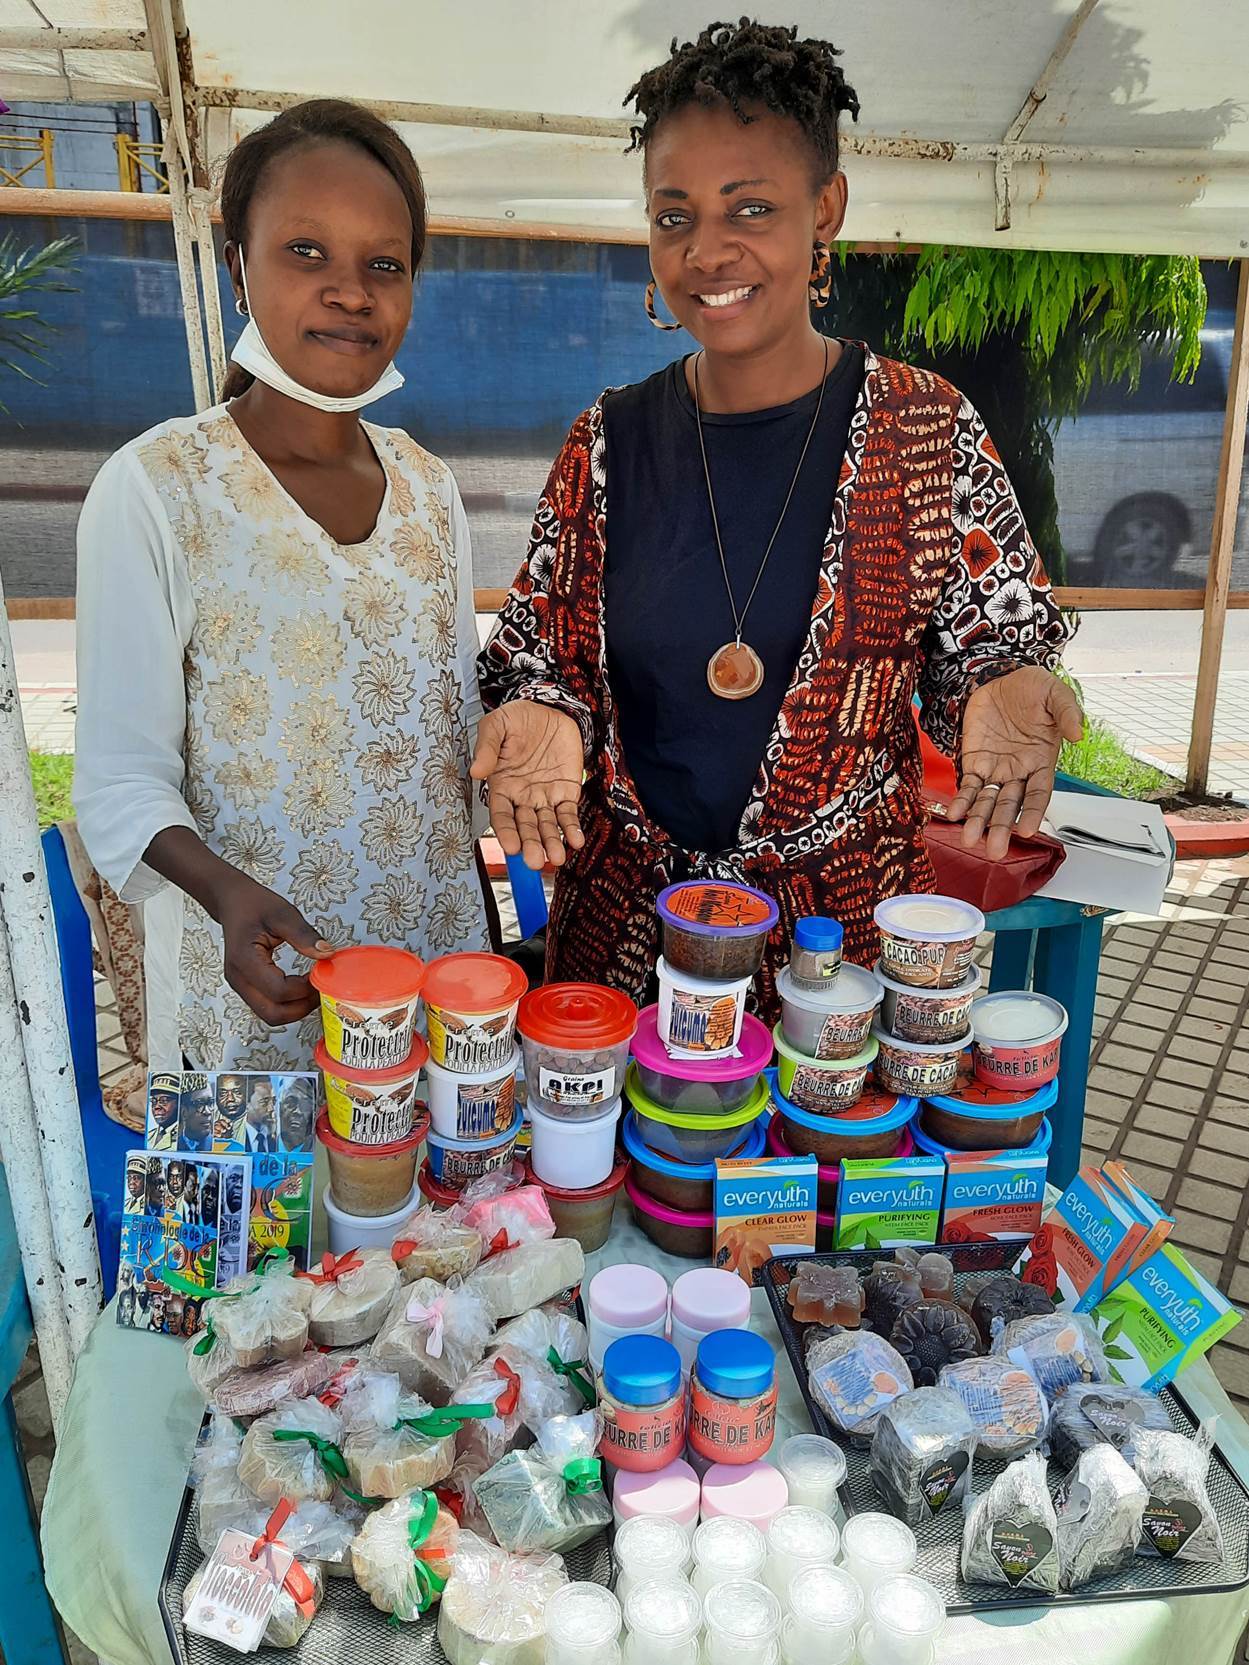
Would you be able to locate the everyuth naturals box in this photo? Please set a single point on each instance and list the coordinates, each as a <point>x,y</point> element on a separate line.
<point>1160,1318</point>
<point>764,1208</point>
<point>1086,1245</point>
<point>888,1200</point>
<point>992,1196</point>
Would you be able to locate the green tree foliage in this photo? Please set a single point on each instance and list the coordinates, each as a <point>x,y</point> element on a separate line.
<point>1025,334</point>
<point>24,335</point>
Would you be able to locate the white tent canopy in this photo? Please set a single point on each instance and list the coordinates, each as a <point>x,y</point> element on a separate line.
<point>1059,124</point>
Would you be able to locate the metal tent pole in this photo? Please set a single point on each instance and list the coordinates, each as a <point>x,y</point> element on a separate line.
<point>23,1169</point>
<point>40,1009</point>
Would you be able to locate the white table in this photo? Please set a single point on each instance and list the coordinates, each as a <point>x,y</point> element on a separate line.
<point>131,1426</point>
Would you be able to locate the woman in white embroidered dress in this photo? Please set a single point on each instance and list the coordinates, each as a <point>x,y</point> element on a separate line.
<point>275,626</point>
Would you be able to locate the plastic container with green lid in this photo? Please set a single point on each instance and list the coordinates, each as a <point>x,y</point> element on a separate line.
<point>691,1138</point>
<point>470,1010</point>
<point>823,1086</point>
<point>575,1037</point>
<point>369,995</point>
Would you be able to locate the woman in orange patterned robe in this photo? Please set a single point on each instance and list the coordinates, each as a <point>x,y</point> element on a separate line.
<point>928,582</point>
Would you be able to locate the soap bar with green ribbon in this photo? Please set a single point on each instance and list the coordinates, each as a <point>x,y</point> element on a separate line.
<point>295,1452</point>
<point>403,1555</point>
<point>550,1497</point>
<point>395,1442</point>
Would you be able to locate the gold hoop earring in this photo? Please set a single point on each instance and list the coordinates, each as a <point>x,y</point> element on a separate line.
<point>650,309</point>
<point>820,283</point>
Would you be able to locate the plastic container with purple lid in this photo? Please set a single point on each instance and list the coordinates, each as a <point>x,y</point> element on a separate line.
<point>700,1086</point>
<point>715,929</point>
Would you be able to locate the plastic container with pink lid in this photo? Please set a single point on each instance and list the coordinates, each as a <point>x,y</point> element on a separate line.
<point>700,1086</point>
<point>705,1300</point>
<point>624,1300</point>
<point>755,1492</point>
<point>671,1493</point>
<point>369,995</point>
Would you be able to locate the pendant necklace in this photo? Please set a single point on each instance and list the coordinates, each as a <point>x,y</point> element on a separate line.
<point>735,671</point>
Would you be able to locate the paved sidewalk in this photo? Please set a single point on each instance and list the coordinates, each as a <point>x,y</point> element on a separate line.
<point>1153,716</point>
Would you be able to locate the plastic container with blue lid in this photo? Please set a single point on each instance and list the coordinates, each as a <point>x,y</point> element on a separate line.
<point>816,957</point>
<point>926,1145</point>
<point>643,1404</point>
<point>687,1186</point>
<point>733,1395</point>
<point>977,1116</point>
<point>872,1127</point>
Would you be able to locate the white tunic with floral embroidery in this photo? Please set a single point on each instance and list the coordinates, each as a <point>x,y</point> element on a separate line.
<point>306,706</point>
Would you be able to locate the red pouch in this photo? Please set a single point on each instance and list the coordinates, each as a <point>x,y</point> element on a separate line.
<point>989,885</point>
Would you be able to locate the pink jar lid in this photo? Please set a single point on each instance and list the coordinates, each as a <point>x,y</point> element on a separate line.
<point>629,1297</point>
<point>672,1492</point>
<point>756,1492</point>
<point>754,1052</point>
<point>710,1299</point>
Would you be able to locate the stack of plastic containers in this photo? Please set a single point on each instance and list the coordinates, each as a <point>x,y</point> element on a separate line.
<point>696,1089</point>
<point>371,1056</point>
<point>826,1102</point>
<point>575,1039</point>
<point>798,1538</point>
<point>825,1607</point>
<point>471,1002</point>
<point>928,981</point>
<point>582,1623</point>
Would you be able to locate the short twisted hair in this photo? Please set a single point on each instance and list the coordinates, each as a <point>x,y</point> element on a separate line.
<point>751,63</point>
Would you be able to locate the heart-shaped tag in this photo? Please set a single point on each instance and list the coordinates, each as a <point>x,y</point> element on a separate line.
<point>1167,1526</point>
<point>1019,1546</point>
<point>1115,1422</point>
<point>939,1479</point>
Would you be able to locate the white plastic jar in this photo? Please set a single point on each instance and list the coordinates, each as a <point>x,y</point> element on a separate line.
<point>650,1550</point>
<point>704,1300</point>
<point>664,1622</point>
<point>798,1538</point>
<point>624,1300</point>
<point>583,1622</point>
<point>573,1155</point>
<point>727,1549</point>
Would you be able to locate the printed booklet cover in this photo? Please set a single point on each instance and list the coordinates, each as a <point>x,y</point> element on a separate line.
<point>183,1234</point>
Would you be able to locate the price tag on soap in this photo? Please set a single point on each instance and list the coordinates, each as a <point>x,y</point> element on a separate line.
<point>242,1579</point>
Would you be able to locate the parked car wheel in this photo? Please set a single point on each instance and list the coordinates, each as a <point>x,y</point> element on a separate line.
<point>1140,542</point>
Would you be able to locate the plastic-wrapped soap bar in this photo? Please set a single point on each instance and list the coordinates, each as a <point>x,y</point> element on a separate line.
<point>493,1608</point>
<point>1011,1534</point>
<point>266,1317</point>
<point>394,1441</point>
<point>922,1452</point>
<point>404,1553</point>
<point>435,1243</point>
<point>287,1454</point>
<point>550,1497</point>
<point>289,1619</point>
<point>1099,1510</point>
<point>512,1282</point>
<point>351,1296</point>
<point>432,1338</point>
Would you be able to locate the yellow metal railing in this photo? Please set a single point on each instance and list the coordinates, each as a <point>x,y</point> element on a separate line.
<point>41,144</point>
<point>134,160</point>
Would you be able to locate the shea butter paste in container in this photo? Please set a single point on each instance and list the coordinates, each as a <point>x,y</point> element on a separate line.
<point>369,995</point>
<point>470,1011</point>
<point>733,1397</point>
<point>575,1038</point>
<point>927,941</point>
<point>715,930</point>
<point>371,1107</point>
<point>642,1401</point>
<point>371,1179</point>
<point>1018,1039</point>
<point>834,1022</point>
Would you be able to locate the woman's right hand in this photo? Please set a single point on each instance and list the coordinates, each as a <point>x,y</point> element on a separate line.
<point>532,760</point>
<point>255,923</point>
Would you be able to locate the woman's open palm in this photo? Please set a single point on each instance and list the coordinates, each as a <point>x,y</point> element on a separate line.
<point>533,762</point>
<point>1012,731</point>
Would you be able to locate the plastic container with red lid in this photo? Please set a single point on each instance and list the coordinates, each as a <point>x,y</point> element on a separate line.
<point>371,1179</point>
<point>700,1086</point>
<point>575,1038</point>
<point>586,1215</point>
<point>369,995</point>
<point>470,1010</point>
<point>372,1107</point>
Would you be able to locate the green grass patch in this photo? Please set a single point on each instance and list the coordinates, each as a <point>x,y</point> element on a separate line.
<point>53,775</point>
<point>1103,759</point>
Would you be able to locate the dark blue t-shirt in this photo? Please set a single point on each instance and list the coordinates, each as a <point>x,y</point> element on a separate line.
<point>694,756</point>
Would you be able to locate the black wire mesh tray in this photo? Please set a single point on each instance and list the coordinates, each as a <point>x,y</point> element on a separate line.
<point>940,1539</point>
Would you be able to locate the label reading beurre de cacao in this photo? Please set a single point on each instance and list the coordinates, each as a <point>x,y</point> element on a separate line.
<point>825,1091</point>
<point>920,1018</point>
<point>843,1034</point>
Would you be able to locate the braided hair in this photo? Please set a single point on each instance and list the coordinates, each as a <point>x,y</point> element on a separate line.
<point>751,63</point>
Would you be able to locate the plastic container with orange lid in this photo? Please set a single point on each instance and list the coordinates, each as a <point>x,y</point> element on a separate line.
<point>371,1179</point>
<point>369,995</point>
<point>575,1037</point>
<point>372,1107</point>
<point>585,1215</point>
<point>470,1010</point>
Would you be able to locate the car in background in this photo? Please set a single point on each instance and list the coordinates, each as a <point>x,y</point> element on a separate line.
<point>1135,474</point>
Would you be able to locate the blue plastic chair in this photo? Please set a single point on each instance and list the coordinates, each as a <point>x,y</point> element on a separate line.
<point>106,1141</point>
<point>1049,946</point>
<point>29,1632</point>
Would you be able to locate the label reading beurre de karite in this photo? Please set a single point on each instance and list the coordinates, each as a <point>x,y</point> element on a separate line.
<point>642,1437</point>
<point>731,1430</point>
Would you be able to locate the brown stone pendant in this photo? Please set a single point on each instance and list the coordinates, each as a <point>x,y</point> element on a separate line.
<point>735,672</point>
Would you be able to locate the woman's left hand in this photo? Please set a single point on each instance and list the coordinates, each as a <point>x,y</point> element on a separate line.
<point>1012,730</point>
